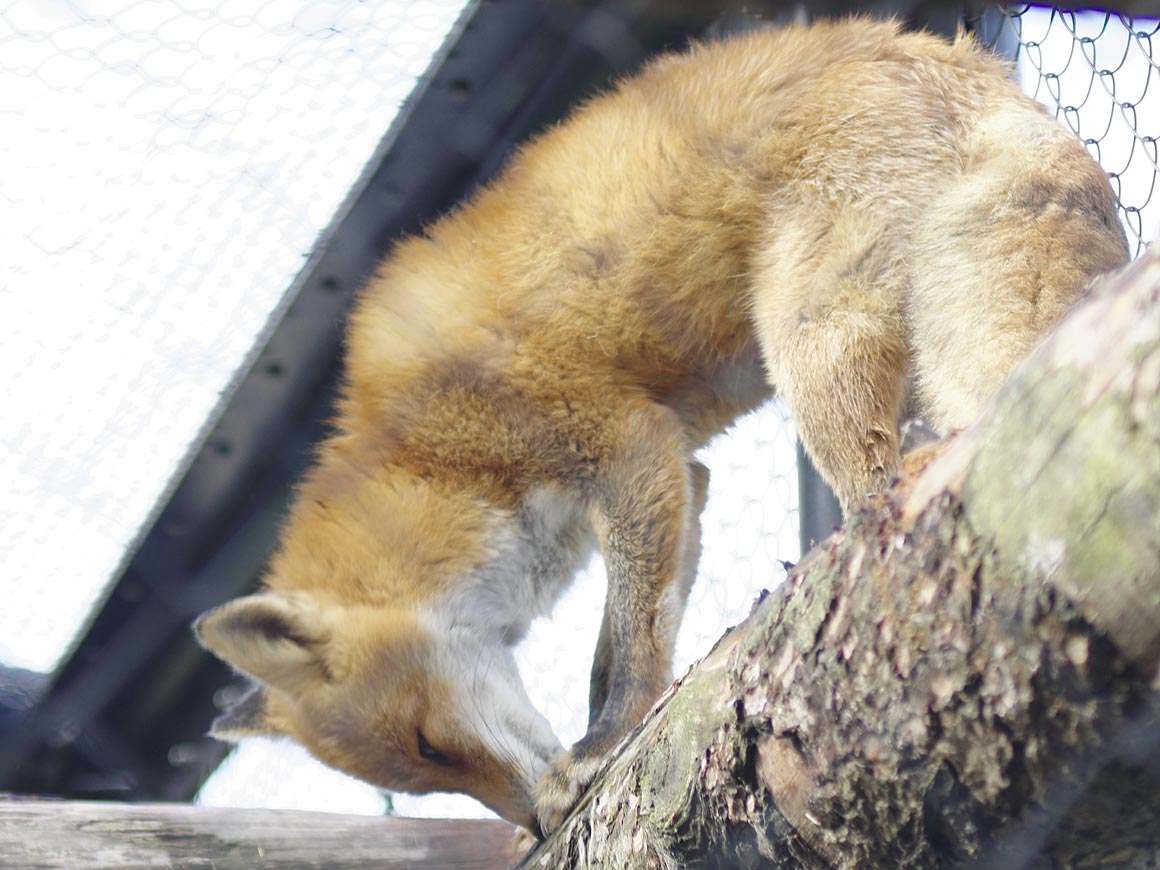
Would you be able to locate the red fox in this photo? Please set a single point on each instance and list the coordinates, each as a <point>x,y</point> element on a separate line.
<point>870,223</point>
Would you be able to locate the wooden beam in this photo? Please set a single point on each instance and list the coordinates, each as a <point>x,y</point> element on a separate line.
<point>69,835</point>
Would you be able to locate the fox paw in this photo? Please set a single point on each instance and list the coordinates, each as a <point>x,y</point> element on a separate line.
<point>566,778</point>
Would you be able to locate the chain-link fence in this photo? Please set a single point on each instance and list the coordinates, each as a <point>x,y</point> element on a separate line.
<point>1099,72</point>
<point>178,161</point>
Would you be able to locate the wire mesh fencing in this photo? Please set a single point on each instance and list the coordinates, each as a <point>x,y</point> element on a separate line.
<point>177,162</point>
<point>207,147</point>
<point>1099,73</point>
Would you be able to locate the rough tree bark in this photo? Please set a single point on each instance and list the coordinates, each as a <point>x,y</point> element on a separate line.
<point>965,675</point>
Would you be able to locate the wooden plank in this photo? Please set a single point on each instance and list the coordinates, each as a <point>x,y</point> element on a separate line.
<point>68,835</point>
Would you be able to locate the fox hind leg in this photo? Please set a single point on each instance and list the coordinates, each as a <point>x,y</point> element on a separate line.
<point>835,345</point>
<point>1003,253</point>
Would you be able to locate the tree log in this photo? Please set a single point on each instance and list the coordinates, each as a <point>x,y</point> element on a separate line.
<point>965,675</point>
<point>75,835</point>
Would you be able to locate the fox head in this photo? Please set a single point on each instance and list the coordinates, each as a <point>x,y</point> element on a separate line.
<point>384,697</point>
<point>382,640</point>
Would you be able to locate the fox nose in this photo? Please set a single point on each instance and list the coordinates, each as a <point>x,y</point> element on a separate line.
<point>525,818</point>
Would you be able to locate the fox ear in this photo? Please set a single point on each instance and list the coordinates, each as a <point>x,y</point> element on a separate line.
<point>248,717</point>
<point>277,640</point>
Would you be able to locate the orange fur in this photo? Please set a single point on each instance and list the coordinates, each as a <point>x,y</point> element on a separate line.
<point>865,221</point>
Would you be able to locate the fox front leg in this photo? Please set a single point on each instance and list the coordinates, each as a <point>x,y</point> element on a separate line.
<point>647,503</point>
<point>602,660</point>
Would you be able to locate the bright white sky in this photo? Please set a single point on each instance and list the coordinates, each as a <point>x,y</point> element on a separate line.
<point>168,168</point>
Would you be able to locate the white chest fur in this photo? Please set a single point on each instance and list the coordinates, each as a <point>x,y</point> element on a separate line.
<point>535,554</point>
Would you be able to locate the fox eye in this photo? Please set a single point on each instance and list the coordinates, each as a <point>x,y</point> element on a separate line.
<point>426,750</point>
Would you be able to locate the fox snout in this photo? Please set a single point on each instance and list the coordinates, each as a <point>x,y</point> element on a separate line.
<point>508,783</point>
<point>517,807</point>
<point>503,774</point>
